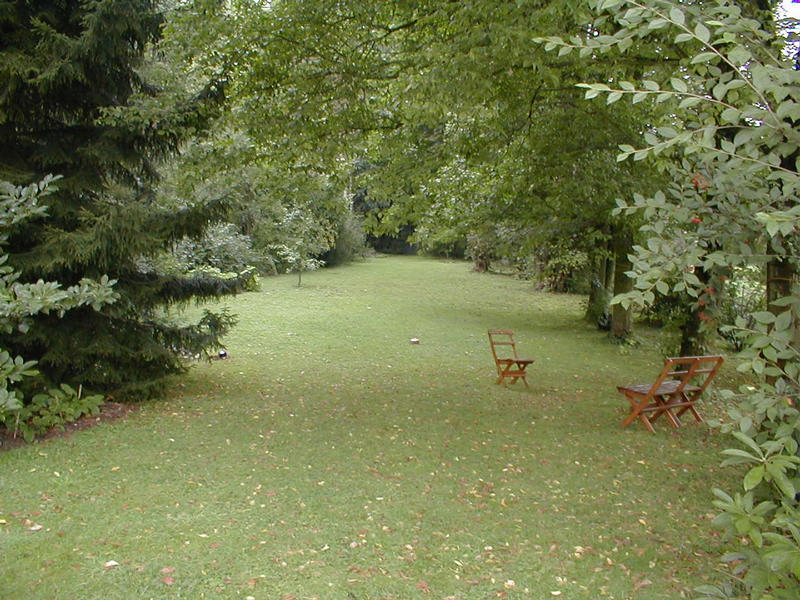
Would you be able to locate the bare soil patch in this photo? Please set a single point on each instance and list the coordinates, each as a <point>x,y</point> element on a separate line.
<point>110,411</point>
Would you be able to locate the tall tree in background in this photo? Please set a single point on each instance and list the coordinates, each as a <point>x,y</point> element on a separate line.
<point>429,96</point>
<point>73,102</point>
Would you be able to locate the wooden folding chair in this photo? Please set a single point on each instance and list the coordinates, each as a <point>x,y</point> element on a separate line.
<point>673,393</point>
<point>508,363</point>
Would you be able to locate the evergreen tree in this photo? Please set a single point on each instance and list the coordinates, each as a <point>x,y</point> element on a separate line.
<point>73,102</point>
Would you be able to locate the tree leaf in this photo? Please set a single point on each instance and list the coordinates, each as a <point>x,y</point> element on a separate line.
<point>702,33</point>
<point>739,55</point>
<point>784,320</point>
<point>704,57</point>
<point>677,15</point>
<point>679,85</point>
<point>753,477</point>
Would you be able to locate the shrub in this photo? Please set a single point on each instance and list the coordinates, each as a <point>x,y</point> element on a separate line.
<point>53,408</point>
<point>560,268</point>
<point>350,242</point>
<point>22,300</point>
<point>744,295</point>
<point>222,248</point>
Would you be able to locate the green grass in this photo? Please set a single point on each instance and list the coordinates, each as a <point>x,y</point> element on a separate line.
<point>330,458</point>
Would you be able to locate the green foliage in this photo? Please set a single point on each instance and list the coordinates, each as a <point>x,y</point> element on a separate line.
<point>563,269</point>
<point>12,371</point>
<point>481,247</point>
<point>349,241</point>
<point>669,313</point>
<point>21,301</point>
<point>269,201</point>
<point>744,295</point>
<point>247,277</point>
<point>765,515</point>
<point>295,259</point>
<point>221,247</point>
<point>730,139</point>
<point>53,409</point>
<point>446,116</point>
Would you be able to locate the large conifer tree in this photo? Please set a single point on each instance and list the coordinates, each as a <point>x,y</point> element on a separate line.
<point>73,103</point>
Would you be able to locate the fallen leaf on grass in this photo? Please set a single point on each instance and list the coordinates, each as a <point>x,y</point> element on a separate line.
<point>423,585</point>
<point>31,525</point>
<point>167,570</point>
<point>168,580</point>
<point>637,585</point>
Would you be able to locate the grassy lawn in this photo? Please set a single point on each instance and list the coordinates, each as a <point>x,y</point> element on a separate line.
<point>328,457</point>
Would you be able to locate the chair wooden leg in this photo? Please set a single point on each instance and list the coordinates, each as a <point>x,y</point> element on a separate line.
<point>667,412</point>
<point>647,422</point>
<point>630,418</point>
<point>692,410</point>
<point>636,411</point>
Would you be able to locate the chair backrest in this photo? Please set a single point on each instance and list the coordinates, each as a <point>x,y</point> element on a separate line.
<point>695,370</point>
<point>504,338</point>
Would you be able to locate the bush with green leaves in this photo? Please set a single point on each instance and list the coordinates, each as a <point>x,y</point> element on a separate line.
<point>562,268</point>
<point>295,259</point>
<point>350,242</point>
<point>18,302</point>
<point>52,409</point>
<point>744,295</point>
<point>221,247</point>
<point>725,124</point>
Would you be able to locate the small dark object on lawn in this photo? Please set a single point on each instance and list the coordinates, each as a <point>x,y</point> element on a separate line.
<point>223,354</point>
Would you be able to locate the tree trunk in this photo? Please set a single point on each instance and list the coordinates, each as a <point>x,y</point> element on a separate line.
<point>602,271</point>
<point>622,318</point>
<point>599,296</point>
<point>693,337</point>
<point>480,264</point>
<point>781,277</point>
<point>595,291</point>
<point>610,267</point>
